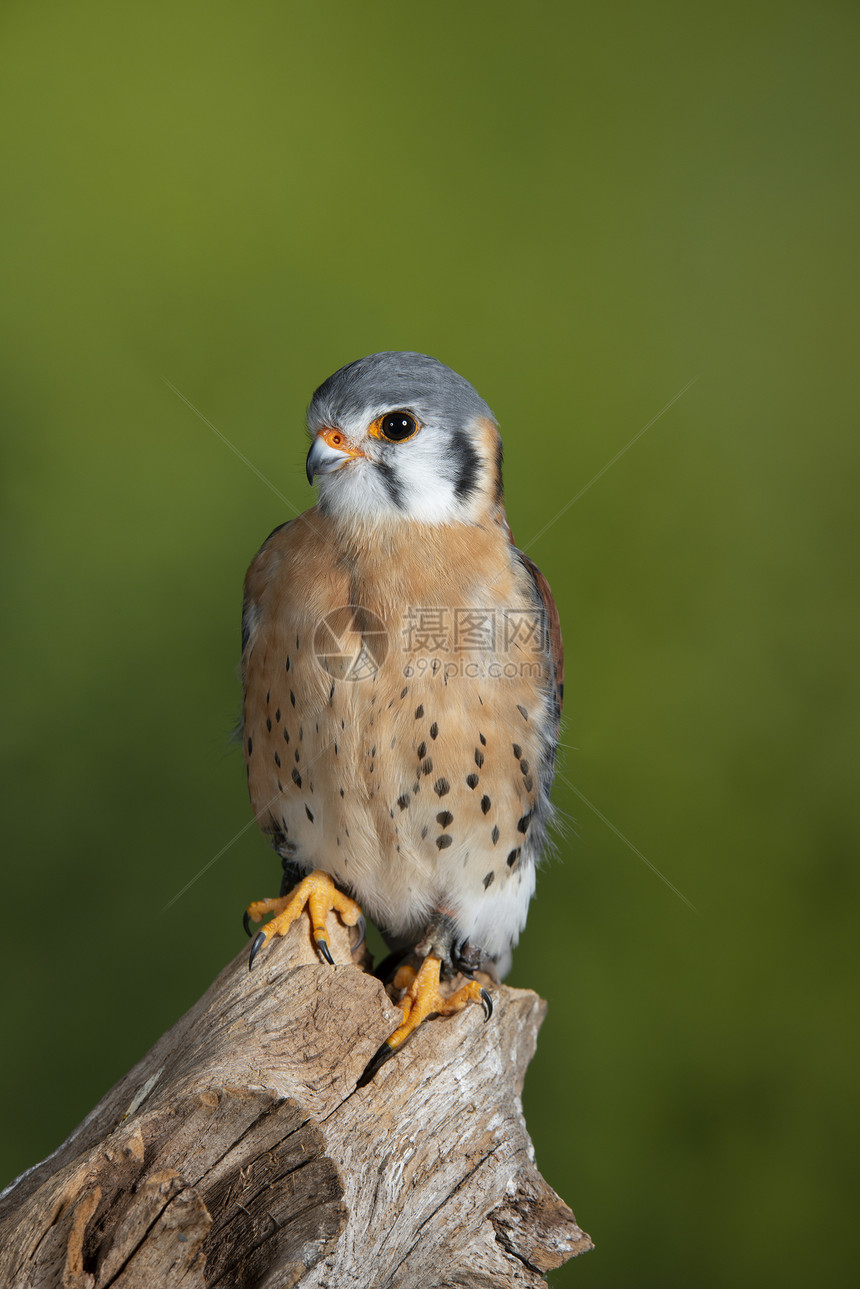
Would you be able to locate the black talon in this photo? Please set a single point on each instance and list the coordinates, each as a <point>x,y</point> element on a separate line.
<point>246,923</point>
<point>256,947</point>
<point>376,1062</point>
<point>322,945</point>
<point>361,924</point>
<point>487,1004</point>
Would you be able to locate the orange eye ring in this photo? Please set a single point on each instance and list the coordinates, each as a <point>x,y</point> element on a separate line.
<point>395,427</point>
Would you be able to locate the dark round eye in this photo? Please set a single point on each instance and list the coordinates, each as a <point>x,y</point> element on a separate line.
<point>397,426</point>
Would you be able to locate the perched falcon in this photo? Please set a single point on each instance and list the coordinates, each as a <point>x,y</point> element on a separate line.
<point>402,669</point>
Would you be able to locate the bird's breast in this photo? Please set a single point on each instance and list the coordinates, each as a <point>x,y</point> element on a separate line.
<point>396,730</point>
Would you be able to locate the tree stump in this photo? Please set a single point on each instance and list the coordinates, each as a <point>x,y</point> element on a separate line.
<point>240,1152</point>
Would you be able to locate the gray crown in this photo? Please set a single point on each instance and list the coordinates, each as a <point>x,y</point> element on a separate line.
<point>390,381</point>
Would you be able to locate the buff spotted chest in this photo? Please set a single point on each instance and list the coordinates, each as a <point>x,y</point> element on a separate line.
<point>402,670</point>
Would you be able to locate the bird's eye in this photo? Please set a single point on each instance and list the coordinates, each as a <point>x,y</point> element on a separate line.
<point>395,426</point>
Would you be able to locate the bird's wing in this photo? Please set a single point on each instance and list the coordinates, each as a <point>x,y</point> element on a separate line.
<point>252,589</point>
<point>553,624</point>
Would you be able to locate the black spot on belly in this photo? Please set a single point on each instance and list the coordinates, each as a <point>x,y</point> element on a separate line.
<point>309,813</point>
<point>485,804</point>
<point>495,834</point>
<point>278,716</point>
<point>269,724</point>
<point>297,778</point>
<point>250,746</point>
<point>518,751</point>
<point>424,832</point>
<point>513,857</point>
<point>287,668</point>
<point>483,740</point>
<point>292,698</point>
<point>419,712</point>
<point>522,711</point>
<point>524,766</point>
<point>528,782</point>
<point>301,733</point>
<point>427,766</point>
<point>298,757</point>
<point>488,880</point>
<point>434,730</point>
<point>472,780</point>
<point>341,792</point>
<point>441,787</point>
<point>278,760</point>
<point>523,825</point>
<point>286,735</point>
<point>444,841</point>
<point>422,751</point>
<point>403,801</point>
<point>479,757</point>
<point>444,818</point>
<point>404,691</point>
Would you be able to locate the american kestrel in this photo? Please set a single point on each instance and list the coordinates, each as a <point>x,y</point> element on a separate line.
<point>402,668</point>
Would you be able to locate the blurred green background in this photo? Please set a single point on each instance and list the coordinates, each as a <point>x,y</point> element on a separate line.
<point>580,208</point>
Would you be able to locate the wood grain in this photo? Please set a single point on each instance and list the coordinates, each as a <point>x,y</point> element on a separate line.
<point>239,1152</point>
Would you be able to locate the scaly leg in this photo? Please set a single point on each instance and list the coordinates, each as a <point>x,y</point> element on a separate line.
<point>424,998</point>
<point>316,892</point>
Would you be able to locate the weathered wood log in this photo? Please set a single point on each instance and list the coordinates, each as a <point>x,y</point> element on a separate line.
<point>239,1152</point>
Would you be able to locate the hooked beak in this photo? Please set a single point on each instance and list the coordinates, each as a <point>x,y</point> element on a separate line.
<point>330,451</point>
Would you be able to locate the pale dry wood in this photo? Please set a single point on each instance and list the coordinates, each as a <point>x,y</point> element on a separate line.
<point>240,1153</point>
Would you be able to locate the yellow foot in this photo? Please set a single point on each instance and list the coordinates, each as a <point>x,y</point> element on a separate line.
<point>316,892</point>
<point>424,998</point>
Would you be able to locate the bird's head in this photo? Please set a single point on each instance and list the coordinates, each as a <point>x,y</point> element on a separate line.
<point>400,435</point>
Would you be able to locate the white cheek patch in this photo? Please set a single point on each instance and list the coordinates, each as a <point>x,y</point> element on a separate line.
<point>428,495</point>
<point>356,491</point>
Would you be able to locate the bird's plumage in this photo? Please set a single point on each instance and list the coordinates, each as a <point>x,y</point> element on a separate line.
<point>402,667</point>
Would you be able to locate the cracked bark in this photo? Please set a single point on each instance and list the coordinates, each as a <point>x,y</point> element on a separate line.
<point>239,1154</point>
